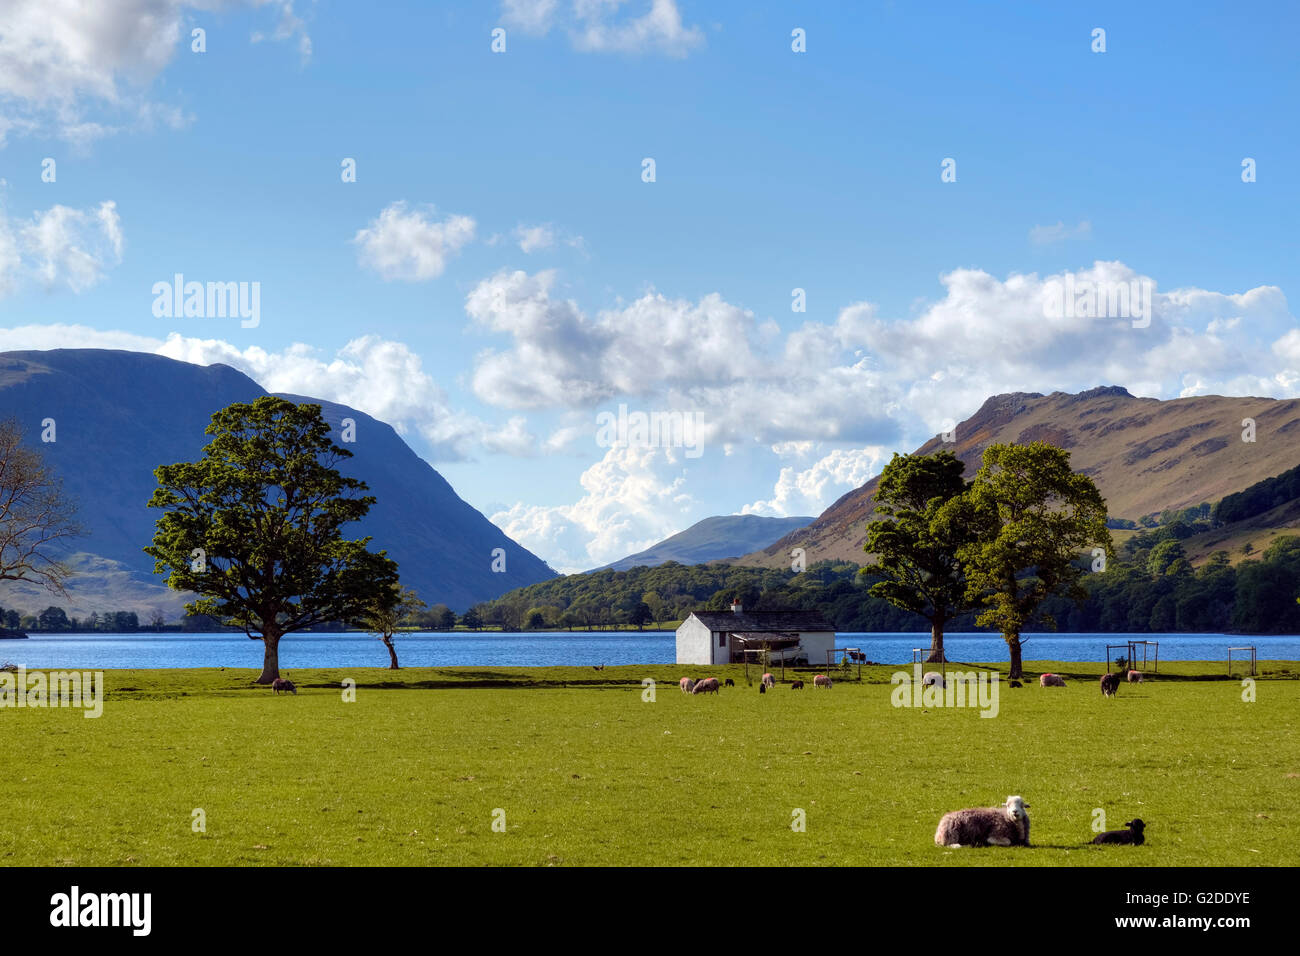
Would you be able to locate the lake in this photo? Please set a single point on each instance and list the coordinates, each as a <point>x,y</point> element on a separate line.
<point>541,649</point>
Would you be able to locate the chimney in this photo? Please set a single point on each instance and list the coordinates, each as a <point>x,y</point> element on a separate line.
<point>735,606</point>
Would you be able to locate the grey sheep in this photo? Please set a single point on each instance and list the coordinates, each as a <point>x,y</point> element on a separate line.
<point>1007,825</point>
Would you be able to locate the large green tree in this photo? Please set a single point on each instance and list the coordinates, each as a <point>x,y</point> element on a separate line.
<point>1031,516</point>
<point>36,517</point>
<point>916,542</point>
<point>256,527</point>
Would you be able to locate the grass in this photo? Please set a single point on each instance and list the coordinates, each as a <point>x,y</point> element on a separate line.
<point>589,774</point>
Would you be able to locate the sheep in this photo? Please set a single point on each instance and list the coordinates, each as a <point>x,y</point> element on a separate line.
<point>1007,825</point>
<point>283,683</point>
<point>796,685</point>
<point>1135,677</point>
<point>687,685</point>
<point>769,680</point>
<point>707,686</point>
<point>1130,837</point>
<point>1015,683</point>
<point>730,683</point>
<point>1051,680</point>
<point>1109,684</point>
<point>821,680</point>
<point>762,688</point>
<point>932,678</point>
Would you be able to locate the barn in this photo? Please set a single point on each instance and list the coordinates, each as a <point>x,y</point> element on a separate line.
<point>722,637</point>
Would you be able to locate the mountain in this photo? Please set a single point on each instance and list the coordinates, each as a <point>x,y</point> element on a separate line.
<point>118,415</point>
<point>725,536</point>
<point>1146,455</point>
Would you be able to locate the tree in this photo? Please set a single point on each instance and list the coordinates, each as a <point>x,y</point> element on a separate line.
<point>471,620</point>
<point>386,614</point>
<point>255,527</point>
<point>1032,516</point>
<point>917,541</point>
<point>54,619</point>
<point>35,515</point>
<point>1165,556</point>
<point>641,615</point>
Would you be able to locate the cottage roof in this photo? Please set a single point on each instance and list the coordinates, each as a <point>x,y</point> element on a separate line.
<point>764,621</point>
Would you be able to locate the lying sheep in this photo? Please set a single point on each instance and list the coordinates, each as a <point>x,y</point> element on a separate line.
<point>707,686</point>
<point>1130,837</point>
<point>283,684</point>
<point>1007,825</point>
<point>687,684</point>
<point>1051,680</point>
<point>1109,684</point>
<point>1135,677</point>
<point>821,680</point>
<point>769,680</point>
<point>932,678</point>
<point>1015,683</point>
<point>796,685</point>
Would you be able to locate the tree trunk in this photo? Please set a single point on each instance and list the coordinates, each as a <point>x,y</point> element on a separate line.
<point>936,642</point>
<point>392,652</point>
<point>271,659</point>
<point>1013,642</point>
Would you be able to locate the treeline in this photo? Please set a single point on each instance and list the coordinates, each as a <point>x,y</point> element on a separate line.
<point>1151,589</point>
<point>1258,498</point>
<point>57,619</point>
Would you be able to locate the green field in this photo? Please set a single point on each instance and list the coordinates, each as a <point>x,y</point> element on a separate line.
<point>587,773</point>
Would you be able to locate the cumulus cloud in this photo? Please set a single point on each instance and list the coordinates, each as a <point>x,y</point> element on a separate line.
<point>811,490</point>
<point>602,26</point>
<point>60,59</point>
<point>60,247</point>
<point>632,498</point>
<point>411,245</point>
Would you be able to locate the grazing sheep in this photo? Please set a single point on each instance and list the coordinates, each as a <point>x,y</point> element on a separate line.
<point>283,683</point>
<point>1051,680</point>
<point>821,680</point>
<point>707,686</point>
<point>687,685</point>
<point>796,685</point>
<point>730,682</point>
<point>1130,837</point>
<point>1007,825</point>
<point>769,680</point>
<point>1109,684</point>
<point>1016,683</point>
<point>1135,677</point>
<point>762,688</point>
<point>932,678</point>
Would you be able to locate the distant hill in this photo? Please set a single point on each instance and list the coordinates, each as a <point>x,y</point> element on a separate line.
<point>725,536</point>
<point>1146,456</point>
<point>119,415</point>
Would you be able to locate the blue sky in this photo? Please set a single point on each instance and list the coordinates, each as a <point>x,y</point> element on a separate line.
<point>500,273</point>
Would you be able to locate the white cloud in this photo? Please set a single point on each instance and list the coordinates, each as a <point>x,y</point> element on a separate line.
<point>60,246</point>
<point>1044,235</point>
<point>410,245</point>
<point>810,491</point>
<point>598,26</point>
<point>632,498</point>
<point>60,59</point>
<point>535,238</point>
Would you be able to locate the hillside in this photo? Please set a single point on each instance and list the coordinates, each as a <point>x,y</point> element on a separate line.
<point>118,415</point>
<point>1146,455</point>
<point>723,536</point>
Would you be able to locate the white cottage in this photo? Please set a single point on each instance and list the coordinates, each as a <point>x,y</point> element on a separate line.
<point>722,637</point>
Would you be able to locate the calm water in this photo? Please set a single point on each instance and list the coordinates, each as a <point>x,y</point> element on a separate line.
<point>538,649</point>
